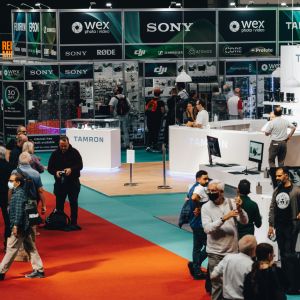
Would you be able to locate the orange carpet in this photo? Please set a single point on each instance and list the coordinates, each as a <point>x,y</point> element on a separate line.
<point>102,261</point>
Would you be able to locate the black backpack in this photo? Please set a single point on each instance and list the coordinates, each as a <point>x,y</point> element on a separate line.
<point>57,220</point>
<point>122,107</point>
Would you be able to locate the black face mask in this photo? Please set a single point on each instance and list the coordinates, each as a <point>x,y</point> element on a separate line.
<point>279,184</point>
<point>213,196</point>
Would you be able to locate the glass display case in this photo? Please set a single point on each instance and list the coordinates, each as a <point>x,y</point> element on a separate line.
<point>91,124</point>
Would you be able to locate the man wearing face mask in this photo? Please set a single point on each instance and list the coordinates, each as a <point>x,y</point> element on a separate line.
<point>197,197</point>
<point>21,232</point>
<point>219,220</point>
<point>277,129</point>
<point>284,217</point>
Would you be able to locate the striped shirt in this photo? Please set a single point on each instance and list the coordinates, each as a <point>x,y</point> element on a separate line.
<point>278,129</point>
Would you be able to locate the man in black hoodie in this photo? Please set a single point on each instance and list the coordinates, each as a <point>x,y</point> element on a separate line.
<point>65,164</point>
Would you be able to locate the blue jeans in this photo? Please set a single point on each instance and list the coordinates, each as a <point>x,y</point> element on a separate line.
<point>124,125</point>
<point>199,248</point>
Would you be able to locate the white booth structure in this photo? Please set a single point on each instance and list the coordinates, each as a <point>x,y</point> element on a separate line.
<point>99,148</point>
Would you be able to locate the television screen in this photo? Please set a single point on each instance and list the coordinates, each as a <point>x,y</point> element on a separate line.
<point>256,150</point>
<point>213,146</point>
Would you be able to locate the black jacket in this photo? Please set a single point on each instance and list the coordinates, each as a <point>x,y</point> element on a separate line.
<point>5,171</point>
<point>70,159</point>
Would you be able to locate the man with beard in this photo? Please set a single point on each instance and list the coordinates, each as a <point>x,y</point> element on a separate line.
<point>197,197</point>
<point>284,218</point>
<point>219,220</point>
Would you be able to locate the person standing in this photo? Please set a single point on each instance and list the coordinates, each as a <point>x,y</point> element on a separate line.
<point>5,171</point>
<point>250,207</point>
<point>277,129</point>
<point>197,197</point>
<point>17,150</point>
<point>202,115</point>
<point>219,217</point>
<point>284,216</point>
<point>235,106</point>
<point>21,232</point>
<point>154,110</point>
<point>183,98</point>
<point>234,268</point>
<point>65,164</point>
<point>120,107</point>
<point>21,129</point>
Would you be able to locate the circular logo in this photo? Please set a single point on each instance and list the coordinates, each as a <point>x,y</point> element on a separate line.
<point>192,51</point>
<point>264,67</point>
<point>5,72</point>
<point>12,94</point>
<point>282,200</point>
<point>234,26</point>
<point>77,27</point>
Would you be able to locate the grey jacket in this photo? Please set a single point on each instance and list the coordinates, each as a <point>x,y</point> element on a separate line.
<point>295,205</point>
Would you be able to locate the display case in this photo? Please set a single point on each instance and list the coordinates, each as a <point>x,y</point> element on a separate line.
<point>91,124</point>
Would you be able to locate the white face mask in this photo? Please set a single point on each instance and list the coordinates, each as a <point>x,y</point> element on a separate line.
<point>10,185</point>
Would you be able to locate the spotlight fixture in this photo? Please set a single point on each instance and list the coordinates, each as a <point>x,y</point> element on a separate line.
<point>232,4</point>
<point>16,7</point>
<point>26,5</point>
<point>108,5</point>
<point>92,4</point>
<point>175,4</point>
<point>41,5</point>
<point>251,2</point>
<point>283,4</point>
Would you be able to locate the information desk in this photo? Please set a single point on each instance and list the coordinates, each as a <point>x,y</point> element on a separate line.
<point>188,146</point>
<point>99,148</point>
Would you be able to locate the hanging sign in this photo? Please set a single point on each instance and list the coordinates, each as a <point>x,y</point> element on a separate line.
<point>76,71</point>
<point>41,72</point>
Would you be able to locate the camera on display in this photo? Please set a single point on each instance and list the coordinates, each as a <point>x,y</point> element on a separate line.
<point>62,173</point>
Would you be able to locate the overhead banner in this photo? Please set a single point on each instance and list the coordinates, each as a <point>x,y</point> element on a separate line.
<point>247,49</point>
<point>85,52</point>
<point>160,70</point>
<point>289,25</point>
<point>247,25</point>
<point>80,28</point>
<point>12,73</point>
<point>240,68</point>
<point>19,33</point>
<point>13,100</point>
<point>49,35</point>
<point>41,72</point>
<point>34,34</point>
<point>142,51</point>
<point>76,71</point>
<point>45,142</point>
<point>267,67</point>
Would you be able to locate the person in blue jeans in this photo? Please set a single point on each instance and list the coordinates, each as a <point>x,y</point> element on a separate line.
<point>197,197</point>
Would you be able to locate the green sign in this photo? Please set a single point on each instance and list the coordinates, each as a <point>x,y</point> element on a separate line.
<point>289,25</point>
<point>49,35</point>
<point>41,72</point>
<point>240,68</point>
<point>267,67</point>
<point>12,73</point>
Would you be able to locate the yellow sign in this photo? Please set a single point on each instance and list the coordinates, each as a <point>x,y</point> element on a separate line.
<point>7,50</point>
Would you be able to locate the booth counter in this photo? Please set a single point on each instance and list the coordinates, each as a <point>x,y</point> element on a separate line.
<point>188,146</point>
<point>99,148</point>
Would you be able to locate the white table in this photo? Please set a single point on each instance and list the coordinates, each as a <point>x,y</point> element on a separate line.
<point>99,148</point>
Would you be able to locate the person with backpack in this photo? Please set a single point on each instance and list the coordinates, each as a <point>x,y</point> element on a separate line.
<point>21,231</point>
<point>154,111</point>
<point>120,107</point>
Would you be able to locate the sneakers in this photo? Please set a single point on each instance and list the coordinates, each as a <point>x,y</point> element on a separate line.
<point>2,276</point>
<point>197,276</point>
<point>35,274</point>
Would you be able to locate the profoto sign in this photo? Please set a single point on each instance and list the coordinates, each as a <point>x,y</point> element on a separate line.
<point>90,27</point>
<point>247,26</point>
<point>169,27</point>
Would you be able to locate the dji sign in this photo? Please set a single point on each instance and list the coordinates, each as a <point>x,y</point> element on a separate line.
<point>247,26</point>
<point>160,70</point>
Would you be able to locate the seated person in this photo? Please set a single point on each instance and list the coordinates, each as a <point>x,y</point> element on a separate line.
<point>190,113</point>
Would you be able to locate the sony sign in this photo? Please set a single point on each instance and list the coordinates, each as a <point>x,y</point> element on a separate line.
<point>79,53</point>
<point>169,27</point>
<point>41,72</point>
<point>247,26</point>
<point>76,72</point>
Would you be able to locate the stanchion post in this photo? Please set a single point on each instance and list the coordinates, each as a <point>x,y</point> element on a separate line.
<point>164,186</point>
<point>130,160</point>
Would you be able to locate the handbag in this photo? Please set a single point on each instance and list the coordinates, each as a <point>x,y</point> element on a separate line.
<point>32,213</point>
<point>185,213</point>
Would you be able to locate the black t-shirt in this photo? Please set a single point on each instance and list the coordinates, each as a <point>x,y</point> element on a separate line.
<point>283,206</point>
<point>11,144</point>
<point>157,114</point>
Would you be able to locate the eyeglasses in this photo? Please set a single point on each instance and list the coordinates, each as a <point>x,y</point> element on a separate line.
<point>22,132</point>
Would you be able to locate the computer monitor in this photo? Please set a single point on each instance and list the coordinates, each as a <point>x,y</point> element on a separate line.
<point>256,151</point>
<point>213,148</point>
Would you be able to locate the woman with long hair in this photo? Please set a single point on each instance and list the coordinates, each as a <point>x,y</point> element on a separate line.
<point>190,114</point>
<point>265,281</point>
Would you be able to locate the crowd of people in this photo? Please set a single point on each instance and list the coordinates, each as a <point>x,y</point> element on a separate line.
<point>223,231</point>
<point>21,188</point>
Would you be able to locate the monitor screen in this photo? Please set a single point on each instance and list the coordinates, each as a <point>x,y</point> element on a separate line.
<point>256,150</point>
<point>213,146</point>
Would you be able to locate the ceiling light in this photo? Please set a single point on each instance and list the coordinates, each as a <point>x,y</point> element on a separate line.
<point>232,3</point>
<point>283,4</point>
<point>108,5</point>
<point>91,4</point>
<point>8,4</point>
<point>26,5</point>
<point>41,5</point>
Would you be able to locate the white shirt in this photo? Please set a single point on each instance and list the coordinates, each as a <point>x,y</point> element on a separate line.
<point>233,268</point>
<point>200,191</point>
<point>114,101</point>
<point>232,105</point>
<point>222,238</point>
<point>278,128</point>
<point>202,118</point>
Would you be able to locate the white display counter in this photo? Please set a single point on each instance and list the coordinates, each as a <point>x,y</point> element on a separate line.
<point>99,148</point>
<point>188,146</point>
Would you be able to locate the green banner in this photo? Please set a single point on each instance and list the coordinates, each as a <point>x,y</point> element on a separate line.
<point>49,35</point>
<point>240,68</point>
<point>289,25</point>
<point>12,73</point>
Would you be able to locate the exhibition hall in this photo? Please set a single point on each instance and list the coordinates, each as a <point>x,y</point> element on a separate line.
<point>150,150</point>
